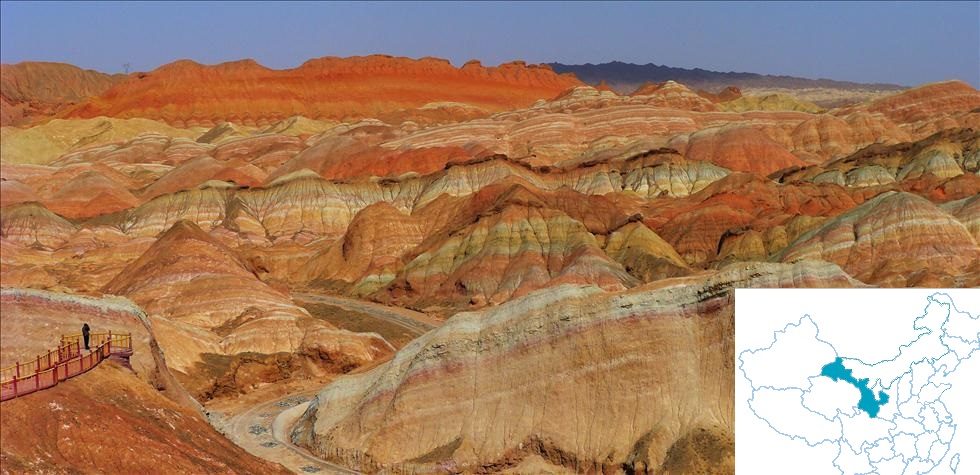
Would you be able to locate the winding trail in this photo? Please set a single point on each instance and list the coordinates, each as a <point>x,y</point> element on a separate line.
<point>263,430</point>
<point>262,425</point>
<point>411,320</point>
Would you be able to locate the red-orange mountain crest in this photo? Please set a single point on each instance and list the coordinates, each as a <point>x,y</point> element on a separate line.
<point>188,93</point>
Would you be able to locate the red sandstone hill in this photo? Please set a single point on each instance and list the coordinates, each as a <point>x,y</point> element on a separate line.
<point>924,102</point>
<point>188,93</point>
<point>32,90</point>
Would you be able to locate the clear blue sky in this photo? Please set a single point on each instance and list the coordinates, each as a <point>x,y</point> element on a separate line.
<point>905,43</point>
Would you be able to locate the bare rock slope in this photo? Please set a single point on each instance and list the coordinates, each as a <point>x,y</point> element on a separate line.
<point>585,379</point>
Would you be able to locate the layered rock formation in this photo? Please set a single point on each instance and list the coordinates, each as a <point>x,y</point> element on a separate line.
<point>927,101</point>
<point>518,243</point>
<point>521,380</point>
<point>644,254</point>
<point>894,239</point>
<point>594,237</point>
<point>30,224</point>
<point>44,143</point>
<point>740,149</point>
<point>330,88</point>
<point>34,90</point>
<point>770,102</point>
<point>727,94</point>
<point>177,280</point>
<point>947,154</point>
<point>676,96</point>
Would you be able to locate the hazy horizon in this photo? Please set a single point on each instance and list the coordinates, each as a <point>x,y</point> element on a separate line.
<point>896,43</point>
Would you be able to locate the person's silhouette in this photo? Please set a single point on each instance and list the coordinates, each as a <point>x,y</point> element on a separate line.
<point>85,331</point>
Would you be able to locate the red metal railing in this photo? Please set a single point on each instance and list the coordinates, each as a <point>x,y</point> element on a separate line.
<point>65,361</point>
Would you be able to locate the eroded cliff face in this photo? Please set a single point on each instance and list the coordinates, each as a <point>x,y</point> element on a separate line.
<point>588,380</point>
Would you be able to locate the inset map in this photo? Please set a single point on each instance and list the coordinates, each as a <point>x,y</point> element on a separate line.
<point>857,381</point>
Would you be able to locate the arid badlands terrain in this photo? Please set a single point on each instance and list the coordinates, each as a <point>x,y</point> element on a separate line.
<point>390,265</point>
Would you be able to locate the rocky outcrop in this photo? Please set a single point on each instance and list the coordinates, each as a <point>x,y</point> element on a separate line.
<point>727,94</point>
<point>90,194</point>
<point>370,253</point>
<point>14,192</point>
<point>828,137</point>
<point>675,96</point>
<point>520,381</point>
<point>941,156</point>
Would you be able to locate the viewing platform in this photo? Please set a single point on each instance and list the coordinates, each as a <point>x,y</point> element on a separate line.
<point>68,360</point>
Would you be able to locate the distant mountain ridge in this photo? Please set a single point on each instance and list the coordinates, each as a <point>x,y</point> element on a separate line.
<point>626,77</point>
<point>33,89</point>
<point>186,93</point>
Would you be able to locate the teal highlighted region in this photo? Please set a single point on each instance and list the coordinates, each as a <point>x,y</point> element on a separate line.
<point>868,403</point>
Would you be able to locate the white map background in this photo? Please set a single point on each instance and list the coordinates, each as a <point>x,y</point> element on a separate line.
<point>866,324</point>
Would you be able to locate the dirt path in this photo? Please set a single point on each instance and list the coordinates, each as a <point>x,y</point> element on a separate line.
<point>413,321</point>
<point>260,422</point>
<point>263,430</point>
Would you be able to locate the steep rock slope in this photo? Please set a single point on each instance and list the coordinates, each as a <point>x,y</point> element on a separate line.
<point>769,102</point>
<point>31,224</point>
<point>644,254</point>
<point>369,255</point>
<point>676,96</point>
<point>586,380</point>
<point>946,154</point>
<point>505,239</point>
